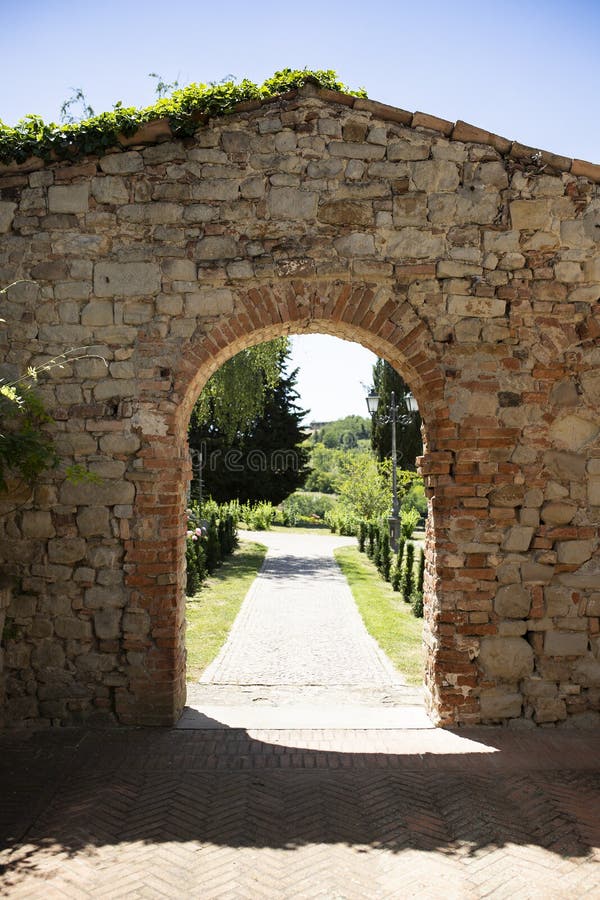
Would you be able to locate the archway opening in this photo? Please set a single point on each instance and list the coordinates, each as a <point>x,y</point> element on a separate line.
<point>299,466</point>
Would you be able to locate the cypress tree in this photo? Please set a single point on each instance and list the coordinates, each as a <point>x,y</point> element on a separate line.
<point>408,575</point>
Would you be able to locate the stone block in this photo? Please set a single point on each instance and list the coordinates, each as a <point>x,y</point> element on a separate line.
<point>480,307</point>
<point>587,576</point>
<point>574,553</point>
<point>529,215</point>
<point>155,213</point>
<point>559,512</point>
<point>136,623</point>
<point>565,643</point>
<point>121,444</point>
<point>414,243</point>
<point>122,163</point>
<point>536,572</point>
<point>48,654</point>
<point>547,709</point>
<point>7,214</point>
<point>594,490</point>
<point>513,601</point>
<point>107,624</point>
<point>507,658</point>
<point>587,672</point>
<point>71,628</point>
<point>98,312</point>
<point>572,432</point>
<point>37,524</point>
<point>209,302</point>
<point>69,198</point>
<point>292,203</point>
<point>518,539</point>
<point>353,245</point>
<point>128,279</point>
<point>93,521</point>
<point>110,189</point>
<point>346,212</point>
<point>407,150</point>
<point>570,466</point>
<point>558,600</point>
<point>86,493</point>
<point>100,597</point>
<point>498,704</point>
<point>66,550</point>
<point>217,247</point>
<point>435,175</point>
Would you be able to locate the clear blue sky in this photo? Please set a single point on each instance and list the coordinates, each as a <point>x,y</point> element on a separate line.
<point>527,70</point>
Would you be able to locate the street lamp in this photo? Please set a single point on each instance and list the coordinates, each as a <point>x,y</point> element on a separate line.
<point>373,405</point>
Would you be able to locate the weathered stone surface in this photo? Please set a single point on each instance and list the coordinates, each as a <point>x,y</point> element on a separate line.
<point>7,214</point>
<point>106,493</point>
<point>513,601</point>
<point>129,279</point>
<point>518,539</point>
<point>355,245</point>
<point>443,248</point>
<point>66,550</point>
<point>565,643</point>
<point>507,658</point>
<point>346,212</point>
<point>37,524</point>
<point>498,704</point>
<point>587,672</point>
<point>292,203</point>
<point>558,512</point>
<point>209,302</point>
<point>122,163</point>
<point>68,198</point>
<point>218,248</point>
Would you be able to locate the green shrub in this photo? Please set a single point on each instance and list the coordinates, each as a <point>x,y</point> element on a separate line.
<point>258,516</point>
<point>363,530</point>
<point>385,555</point>
<point>342,521</point>
<point>409,519</point>
<point>408,574</point>
<point>396,571</point>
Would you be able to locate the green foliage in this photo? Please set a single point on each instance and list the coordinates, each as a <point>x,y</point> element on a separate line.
<point>184,109</point>
<point>211,536</point>
<point>342,521</point>
<point>258,516</point>
<point>343,434</point>
<point>414,495</point>
<point>246,427</point>
<point>25,450</point>
<point>408,573</point>
<point>306,504</point>
<point>364,486</point>
<point>325,468</point>
<point>409,519</point>
<point>385,559</point>
<point>409,444</point>
<point>76,100</point>
<point>363,531</point>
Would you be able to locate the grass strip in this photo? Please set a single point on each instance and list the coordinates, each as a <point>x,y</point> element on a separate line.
<point>387,618</point>
<point>211,612</point>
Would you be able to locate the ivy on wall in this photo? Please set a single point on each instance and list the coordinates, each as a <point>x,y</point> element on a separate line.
<point>183,109</point>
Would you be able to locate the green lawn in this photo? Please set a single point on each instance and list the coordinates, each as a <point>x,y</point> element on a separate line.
<point>210,614</point>
<point>387,618</point>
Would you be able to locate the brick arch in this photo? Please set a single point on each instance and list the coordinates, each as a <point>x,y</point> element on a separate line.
<point>347,311</point>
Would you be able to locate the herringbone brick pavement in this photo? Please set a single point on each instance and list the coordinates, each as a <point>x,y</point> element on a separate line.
<point>317,814</point>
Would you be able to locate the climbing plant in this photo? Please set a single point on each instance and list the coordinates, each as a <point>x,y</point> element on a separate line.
<point>184,109</point>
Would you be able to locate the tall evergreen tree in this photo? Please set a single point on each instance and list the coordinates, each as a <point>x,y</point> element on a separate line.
<point>409,444</point>
<point>266,459</point>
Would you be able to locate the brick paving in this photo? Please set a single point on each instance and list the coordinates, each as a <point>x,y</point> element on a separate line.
<point>242,812</point>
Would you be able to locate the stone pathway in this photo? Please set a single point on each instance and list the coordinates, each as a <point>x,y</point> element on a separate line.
<point>298,655</point>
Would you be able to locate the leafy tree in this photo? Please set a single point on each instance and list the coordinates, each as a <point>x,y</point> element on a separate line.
<point>409,444</point>
<point>364,486</point>
<point>252,448</point>
<point>345,433</point>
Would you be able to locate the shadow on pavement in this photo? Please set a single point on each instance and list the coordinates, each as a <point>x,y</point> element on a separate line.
<point>67,792</point>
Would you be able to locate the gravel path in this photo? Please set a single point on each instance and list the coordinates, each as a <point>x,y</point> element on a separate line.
<point>299,624</point>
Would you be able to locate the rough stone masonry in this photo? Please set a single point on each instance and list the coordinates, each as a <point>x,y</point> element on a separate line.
<point>470,262</point>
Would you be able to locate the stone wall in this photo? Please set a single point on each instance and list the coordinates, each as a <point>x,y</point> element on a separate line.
<point>469,262</point>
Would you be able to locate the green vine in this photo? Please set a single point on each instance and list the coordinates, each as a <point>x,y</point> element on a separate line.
<point>34,137</point>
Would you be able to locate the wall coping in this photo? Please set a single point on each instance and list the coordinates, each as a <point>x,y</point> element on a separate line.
<point>159,130</point>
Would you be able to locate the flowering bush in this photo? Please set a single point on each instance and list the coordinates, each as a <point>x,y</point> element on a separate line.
<point>211,535</point>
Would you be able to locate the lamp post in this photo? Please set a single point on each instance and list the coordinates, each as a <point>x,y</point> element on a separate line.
<point>373,406</point>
